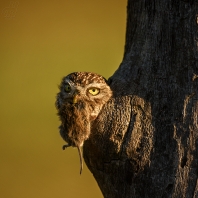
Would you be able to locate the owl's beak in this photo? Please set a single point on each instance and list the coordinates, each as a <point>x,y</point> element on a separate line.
<point>75,99</point>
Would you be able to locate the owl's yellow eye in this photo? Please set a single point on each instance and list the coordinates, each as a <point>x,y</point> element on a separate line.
<point>67,88</point>
<point>94,91</point>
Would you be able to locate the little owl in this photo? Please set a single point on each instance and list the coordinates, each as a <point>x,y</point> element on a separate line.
<point>80,100</point>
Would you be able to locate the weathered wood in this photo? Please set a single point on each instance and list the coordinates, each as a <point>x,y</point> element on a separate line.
<point>145,141</point>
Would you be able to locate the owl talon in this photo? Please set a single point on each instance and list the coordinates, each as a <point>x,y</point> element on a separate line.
<point>65,146</point>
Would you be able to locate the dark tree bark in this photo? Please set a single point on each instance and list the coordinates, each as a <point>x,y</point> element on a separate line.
<point>145,141</point>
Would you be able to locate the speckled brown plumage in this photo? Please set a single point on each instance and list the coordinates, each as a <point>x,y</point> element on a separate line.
<point>80,100</point>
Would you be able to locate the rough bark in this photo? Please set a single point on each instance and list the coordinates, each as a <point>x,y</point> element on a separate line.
<point>145,141</point>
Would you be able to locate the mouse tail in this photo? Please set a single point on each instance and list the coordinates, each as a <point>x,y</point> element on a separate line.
<point>81,160</point>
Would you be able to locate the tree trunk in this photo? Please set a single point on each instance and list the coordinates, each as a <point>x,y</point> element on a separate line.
<point>145,141</point>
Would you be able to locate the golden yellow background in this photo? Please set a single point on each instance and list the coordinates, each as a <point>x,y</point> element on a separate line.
<point>40,42</point>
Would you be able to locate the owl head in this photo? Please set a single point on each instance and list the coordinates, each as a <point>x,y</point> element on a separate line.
<point>79,88</point>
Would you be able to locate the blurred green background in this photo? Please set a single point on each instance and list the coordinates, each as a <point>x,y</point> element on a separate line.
<point>40,42</point>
